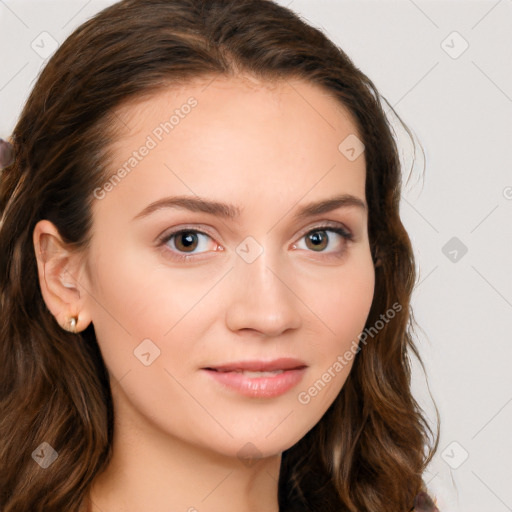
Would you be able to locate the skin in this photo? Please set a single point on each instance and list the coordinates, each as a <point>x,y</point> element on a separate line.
<point>270,149</point>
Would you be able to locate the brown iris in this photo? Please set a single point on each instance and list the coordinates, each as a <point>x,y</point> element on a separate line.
<point>318,238</point>
<point>189,240</point>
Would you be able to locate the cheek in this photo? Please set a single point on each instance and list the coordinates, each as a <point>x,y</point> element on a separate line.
<point>135,299</point>
<point>343,303</point>
<point>126,308</point>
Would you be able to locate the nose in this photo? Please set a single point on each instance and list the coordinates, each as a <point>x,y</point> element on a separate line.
<point>262,298</point>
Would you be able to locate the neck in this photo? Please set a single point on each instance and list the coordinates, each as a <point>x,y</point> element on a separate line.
<point>151,470</point>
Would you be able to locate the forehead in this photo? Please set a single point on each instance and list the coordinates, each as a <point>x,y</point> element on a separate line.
<point>237,137</point>
<point>227,103</point>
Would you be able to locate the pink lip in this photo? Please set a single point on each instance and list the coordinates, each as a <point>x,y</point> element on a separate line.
<point>283,363</point>
<point>263,387</point>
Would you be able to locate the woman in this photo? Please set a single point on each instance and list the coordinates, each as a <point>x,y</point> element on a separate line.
<point>205,283</point>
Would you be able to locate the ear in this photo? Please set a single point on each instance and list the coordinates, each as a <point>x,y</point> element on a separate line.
<point>61,273</point>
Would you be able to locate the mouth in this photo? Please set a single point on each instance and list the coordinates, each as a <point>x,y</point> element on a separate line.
<point>259,379</point>
<point>273,367</point>
<point>250,373</point>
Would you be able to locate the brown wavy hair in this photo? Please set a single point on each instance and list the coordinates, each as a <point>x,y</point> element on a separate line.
<point>370,449</point>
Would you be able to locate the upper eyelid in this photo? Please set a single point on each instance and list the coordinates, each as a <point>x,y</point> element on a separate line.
<point>205,230</point>
<point>325,225</point>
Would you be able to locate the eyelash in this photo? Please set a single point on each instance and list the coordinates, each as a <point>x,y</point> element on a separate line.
<point>346,235</point>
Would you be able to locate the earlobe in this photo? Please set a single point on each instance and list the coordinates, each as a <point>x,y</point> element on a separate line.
<point>57,266</point>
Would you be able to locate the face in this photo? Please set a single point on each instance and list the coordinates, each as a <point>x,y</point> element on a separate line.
<point>175,288</point>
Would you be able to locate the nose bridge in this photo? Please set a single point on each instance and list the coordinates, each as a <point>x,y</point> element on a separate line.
<point>261,264</point>
<point>262,299</point>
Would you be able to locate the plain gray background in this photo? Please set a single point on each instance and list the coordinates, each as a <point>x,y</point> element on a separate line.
<point>446,67</point>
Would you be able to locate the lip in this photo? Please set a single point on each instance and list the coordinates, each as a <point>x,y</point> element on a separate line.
<point>229,376</point>
<point>283,363</point>
<point>258,387</point>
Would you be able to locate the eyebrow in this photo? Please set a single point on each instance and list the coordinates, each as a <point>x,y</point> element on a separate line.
<point>232,212</point>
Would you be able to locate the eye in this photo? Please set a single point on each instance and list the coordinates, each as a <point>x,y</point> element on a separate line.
<point>187,241</point>
<point>318,239</point>
<point>188,244</point>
